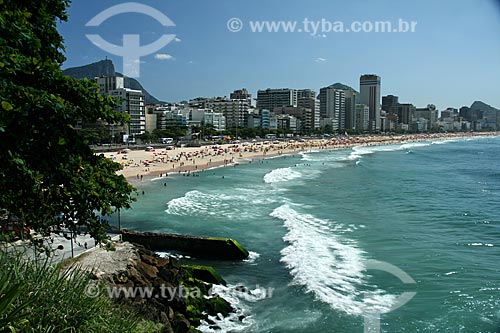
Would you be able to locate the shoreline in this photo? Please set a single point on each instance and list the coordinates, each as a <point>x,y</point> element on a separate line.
<point>138,166</point>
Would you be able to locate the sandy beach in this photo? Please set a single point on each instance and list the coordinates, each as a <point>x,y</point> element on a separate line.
<point>140,164</point>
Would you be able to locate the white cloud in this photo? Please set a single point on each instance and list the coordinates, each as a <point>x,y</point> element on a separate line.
<point>177,39</point>
<point>163,56</point>
<point>319,36</point>
<point>320,60</point>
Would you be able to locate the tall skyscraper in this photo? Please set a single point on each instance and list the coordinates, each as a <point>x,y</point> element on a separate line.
<point>370,85</point>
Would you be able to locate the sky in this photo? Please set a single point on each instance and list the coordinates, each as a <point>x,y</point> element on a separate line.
<point>450,60</point>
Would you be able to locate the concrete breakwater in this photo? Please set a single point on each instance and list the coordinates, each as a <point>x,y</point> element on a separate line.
<point>200,247</point>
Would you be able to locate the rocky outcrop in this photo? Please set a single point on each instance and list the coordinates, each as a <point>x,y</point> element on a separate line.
<point>200,247</point>
<point>160,289</point>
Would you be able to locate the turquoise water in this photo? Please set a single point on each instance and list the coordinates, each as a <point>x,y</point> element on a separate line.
<point>314,222</point>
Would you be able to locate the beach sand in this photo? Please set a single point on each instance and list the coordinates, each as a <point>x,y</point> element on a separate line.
<point>138,165</point>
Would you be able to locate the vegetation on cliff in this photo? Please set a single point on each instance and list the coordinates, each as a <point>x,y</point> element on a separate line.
<point>40,297</point>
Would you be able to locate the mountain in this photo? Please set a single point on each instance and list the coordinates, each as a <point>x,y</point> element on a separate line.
<point>489,116</point>
<point>106,68</point>
<point>480,106</point>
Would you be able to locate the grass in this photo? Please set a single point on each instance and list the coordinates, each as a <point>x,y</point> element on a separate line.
<point>40,297</point>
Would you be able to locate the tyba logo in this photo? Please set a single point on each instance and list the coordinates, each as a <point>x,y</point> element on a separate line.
<point>131,51</point>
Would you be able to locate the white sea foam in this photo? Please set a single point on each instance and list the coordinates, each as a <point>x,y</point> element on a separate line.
<point>307,157</point>
<point>359,151</point>
<point>281,175</point>
<point>238,321</point>
<point>414,145</point>
<point>157,178</point>
<point>197,203</point>
<point>480,244</point>
<point>252,257</point>
<point>329,267</point>
<point>173,255</point>
<point>444,141</point>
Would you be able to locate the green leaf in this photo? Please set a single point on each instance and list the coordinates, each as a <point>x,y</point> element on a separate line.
<point>62,142</point>
<point>6,106</point>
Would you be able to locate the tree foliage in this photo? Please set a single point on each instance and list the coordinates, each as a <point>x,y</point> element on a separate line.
<point>47,170</point>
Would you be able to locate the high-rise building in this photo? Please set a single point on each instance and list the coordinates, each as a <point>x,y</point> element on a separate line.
<point>338,102</point>
<point>217,120</point>
<point>274,98</point>
<point>389,101</point>
<point>133,105</point>
<point>362,117</point>
<point>348,120</point>
<point>305,93</point>
<point>288,123</point>
<point>370,85</point>
<point>305,117</point>
<point>235,110</point>
<point>406,113</point>
<point>311,122</point>
<point>429,113</point>
<point>240,94</point>
<point>108,83</point>
<point>332,104</point>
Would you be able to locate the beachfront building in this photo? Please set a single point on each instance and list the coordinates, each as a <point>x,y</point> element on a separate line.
<point>217,120</point>
<point>288,123</point>
<point>133,105</point>
<point>406,113</point>
<point>151,121</point>
<point>389,102</point>
<point>236,111</point>
<point>311,122</point>
<point>362,117</point>
<point>272,98</point>
<point>369,90</point>
<point>429,113</point>
<point>170,117</point>
<point>338,102</point>
<point>193,116</point>
<point>305,117</point>
<point>174,119</point>
<point>332,104</point>
<point>265,118</point>
<point>254,119</point>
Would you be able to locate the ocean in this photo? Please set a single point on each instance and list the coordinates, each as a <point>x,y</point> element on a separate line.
<point>407,235</point>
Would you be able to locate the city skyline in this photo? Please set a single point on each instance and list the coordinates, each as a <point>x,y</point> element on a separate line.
<point>452,42</point>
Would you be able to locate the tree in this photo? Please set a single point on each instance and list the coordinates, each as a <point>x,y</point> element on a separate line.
<point>48,173</point>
